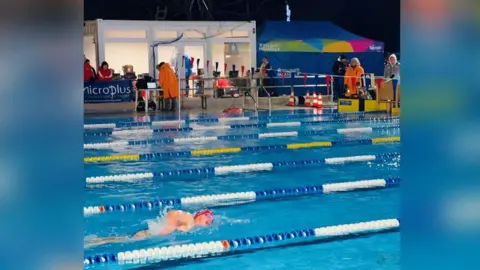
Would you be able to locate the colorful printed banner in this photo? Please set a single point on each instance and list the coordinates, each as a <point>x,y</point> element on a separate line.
<point>321,45</point>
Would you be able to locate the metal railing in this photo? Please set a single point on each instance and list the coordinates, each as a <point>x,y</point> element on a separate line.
<point>269,99</point>
<point>224,87</point>
<point>248,93</point>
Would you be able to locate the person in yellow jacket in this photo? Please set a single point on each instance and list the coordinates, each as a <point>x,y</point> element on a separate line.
<point>354,70</point>
<point>168,81</point>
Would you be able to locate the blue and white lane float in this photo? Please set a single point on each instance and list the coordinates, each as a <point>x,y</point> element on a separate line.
<point>149,131</point>
<point>224,247</point>
<point>220,120</point>
<point>120,143</point>
<point>244,168</point>
<point>225,199</point>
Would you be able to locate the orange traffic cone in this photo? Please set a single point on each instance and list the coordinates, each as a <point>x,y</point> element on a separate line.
<point>315,101</point>
<point>307,100</point>
<point>319,102</point>
<point>291,100</point>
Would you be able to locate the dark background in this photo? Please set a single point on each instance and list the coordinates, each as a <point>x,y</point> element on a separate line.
<point>374,19</point>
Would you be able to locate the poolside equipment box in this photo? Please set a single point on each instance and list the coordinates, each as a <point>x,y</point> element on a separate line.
<point>385,99</point>
<point>360,105</point>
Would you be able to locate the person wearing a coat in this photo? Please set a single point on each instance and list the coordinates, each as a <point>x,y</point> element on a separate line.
<point>352,77</point>
<point>392,68</point>
<point>89,73</point>
<point>104,73</point>
<point>338,70</point>
<point>168,81</point>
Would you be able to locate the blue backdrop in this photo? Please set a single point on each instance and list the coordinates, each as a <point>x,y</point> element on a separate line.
<point>321,63</point>
<point>108,91</point>
<point>313,62</point>
<point>301,30</point>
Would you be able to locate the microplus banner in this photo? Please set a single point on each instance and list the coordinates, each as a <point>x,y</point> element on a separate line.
<point>108,91</point>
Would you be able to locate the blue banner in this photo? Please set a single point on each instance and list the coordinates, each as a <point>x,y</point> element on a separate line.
<point>108,91</point>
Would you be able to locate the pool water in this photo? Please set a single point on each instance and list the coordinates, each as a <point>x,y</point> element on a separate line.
<point>380,251</point>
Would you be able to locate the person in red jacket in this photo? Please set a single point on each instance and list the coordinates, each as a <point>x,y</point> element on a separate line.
<point>88,73</point>
<point>104,73</point>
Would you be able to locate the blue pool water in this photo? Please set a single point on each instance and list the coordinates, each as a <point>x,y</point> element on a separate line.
<point>236,221</point>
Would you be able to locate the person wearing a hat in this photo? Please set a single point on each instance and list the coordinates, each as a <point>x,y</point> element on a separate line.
<point>338,70</point>
<point>392,68</point>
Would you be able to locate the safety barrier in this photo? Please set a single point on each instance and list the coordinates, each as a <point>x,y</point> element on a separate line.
<point>220,120</point>
<point>216,200</point>
<point>232,150</point>
<point>216,248</point>
<point>109,145</point>
<point>147,131</point>
<point>222,170</point>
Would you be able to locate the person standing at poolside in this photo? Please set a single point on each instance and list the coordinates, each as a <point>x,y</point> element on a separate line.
<point>168,81</point>
<point>338,69</point>
<point>392,68</point>
<point>352,77</point>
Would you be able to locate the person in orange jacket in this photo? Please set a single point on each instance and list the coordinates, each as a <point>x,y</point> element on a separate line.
<point>104,72</point>
<point>168,81</point>
<point>353,73</point>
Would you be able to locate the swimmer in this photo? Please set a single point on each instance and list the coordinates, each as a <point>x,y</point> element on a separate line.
<point>176,220</point>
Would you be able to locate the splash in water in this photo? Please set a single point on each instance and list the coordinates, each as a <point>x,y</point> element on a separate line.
<point>231,221</point>
<point>157,224</point>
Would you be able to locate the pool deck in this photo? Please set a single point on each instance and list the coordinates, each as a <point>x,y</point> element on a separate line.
<point>193,105</point>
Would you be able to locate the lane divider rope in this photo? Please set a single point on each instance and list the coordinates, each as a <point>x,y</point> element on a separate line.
<point>220,119</point>
<point>147,131</point>
<point>230,150</point>
<point>215,248</point>
<point>222,170</point>
<point>216,200</point>
<point>109,145</point>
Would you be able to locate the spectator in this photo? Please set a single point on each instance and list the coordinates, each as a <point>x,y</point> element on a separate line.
<point>93,69</point>
<point>265,71</point>
<point>88,71</point>
<point>169,83</point>
<point>265,67</point>
<point>392,68</point>
<point>188,71</point>
<point>338,70</point>
<point>104,73</point>
<point>354,71</point>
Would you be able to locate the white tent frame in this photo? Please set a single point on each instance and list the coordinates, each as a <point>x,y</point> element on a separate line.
<point>213,32</point>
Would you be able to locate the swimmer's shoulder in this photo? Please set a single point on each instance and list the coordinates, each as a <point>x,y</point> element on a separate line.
<point>176,216</point>
<point>179,214</point>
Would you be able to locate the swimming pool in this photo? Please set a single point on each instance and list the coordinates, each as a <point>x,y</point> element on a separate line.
<point>181,175</point>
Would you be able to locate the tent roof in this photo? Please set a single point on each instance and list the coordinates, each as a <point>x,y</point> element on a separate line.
<point>301,36</point>
<point>300,30</point>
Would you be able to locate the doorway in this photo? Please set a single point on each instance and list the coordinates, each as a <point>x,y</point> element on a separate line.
<point>193,71</point>
<point>179,56</point>
<point>167,54</point>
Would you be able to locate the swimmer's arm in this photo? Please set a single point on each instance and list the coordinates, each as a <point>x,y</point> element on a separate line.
<point>105,240</point>
<point>184,228</point>
<point>185,225</point>
<point>167,229</point>
<point>140,235</point>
